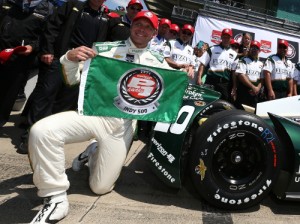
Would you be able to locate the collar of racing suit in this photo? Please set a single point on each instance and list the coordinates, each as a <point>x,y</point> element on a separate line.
<point>125,19</point>
<point>223,47</point>
<point>133,48</point>
<point>181,42</point>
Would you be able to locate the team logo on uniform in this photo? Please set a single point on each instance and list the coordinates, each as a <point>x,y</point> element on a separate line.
<point>149,14</point>
<point>118,56</point>
<point>139,89</point>
<point>129,57</point>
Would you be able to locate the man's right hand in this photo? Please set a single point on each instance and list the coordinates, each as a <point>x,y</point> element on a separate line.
<point>271,95</point>
<point>80,54</point>
<point>47,58</point>
<point>199,81</point>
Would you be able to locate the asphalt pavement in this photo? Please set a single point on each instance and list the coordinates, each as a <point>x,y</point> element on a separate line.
<point>138,197</point>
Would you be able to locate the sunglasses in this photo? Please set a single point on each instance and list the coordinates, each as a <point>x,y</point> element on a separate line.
<point>282,47</point>
<point>135,8</point>
<point>254,48</point>
<point>173,32</point>
<point>187,33</point>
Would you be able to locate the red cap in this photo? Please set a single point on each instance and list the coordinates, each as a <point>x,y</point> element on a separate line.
<point>147,15</point>
<point>188,27</point>
<point>283,42</point>
<point>175,27</point>
<point>105,10</point>
<point>234,42</point>
<point>165,21</point>
<point>132,2</point>
<point>113,15</point>
<point>255,43</point>
<point>7,53</point>
<point>227,31</point>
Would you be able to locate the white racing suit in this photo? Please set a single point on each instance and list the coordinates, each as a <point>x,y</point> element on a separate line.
<point>114,135</point>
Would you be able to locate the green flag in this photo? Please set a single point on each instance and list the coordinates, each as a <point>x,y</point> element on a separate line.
<point>115,88</point>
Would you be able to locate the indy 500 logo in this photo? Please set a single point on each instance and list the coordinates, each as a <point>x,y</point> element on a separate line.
<point>139,89</point>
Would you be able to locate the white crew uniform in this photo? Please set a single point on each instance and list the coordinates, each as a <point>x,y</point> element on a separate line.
<point>234,64</point>
<point>157,44</point>
<point>252,69</point>
<point>220,61</point>
<point>280,72</point>
<point>180,53</point>
<point>296,76</point>
<point>114,135</point>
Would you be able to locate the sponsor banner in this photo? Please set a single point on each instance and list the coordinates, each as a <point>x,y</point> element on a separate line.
<point>209,30</point>
<point>115,88</point>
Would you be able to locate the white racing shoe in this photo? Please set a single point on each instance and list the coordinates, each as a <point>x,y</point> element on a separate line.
<point>55,208</point>
<point>83,157</point>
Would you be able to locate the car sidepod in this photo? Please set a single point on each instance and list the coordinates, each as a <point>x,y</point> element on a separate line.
<point>168,140</point>
<point>288,184</point>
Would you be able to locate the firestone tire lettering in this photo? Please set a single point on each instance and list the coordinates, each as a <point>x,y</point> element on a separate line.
<point>240,152</point>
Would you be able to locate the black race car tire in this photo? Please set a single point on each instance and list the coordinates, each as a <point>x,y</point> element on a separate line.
<point>234,160</point>
<point>215,107</point>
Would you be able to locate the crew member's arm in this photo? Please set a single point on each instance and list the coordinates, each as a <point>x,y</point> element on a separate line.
<point>167,53</point>
<point>204,61</point>
<point>290,87</point>
<point>243,78</point>
<point>200,73</point>
<point>191,71</point>
<point>234,78</point>
<point>295,93</point>
<point>52,30</point>
<point>268,84</point>
<point>175,65</point>
<point>234,84</point>
<point>268,67</point>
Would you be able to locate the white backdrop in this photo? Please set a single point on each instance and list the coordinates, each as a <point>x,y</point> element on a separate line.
<point>209,30</point>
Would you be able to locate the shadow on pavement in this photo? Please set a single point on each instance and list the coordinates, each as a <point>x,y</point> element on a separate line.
<point>20,195</point>
<point>137,182</point>
<point>12,132</point>
<point>20,199</point>
<point>283,207</point>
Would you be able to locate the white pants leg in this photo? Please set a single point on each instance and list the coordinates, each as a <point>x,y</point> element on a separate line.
<point>46,150</point>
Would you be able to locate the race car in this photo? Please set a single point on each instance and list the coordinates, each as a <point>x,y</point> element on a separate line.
<point>234,158</point>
